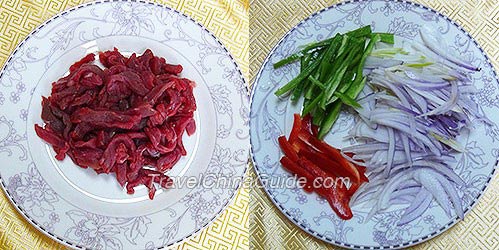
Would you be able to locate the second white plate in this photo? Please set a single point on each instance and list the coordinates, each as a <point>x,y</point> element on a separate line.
<point>82,209</point>
<point>272,117</point>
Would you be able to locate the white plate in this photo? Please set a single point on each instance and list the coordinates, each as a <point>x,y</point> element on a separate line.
<point>271,117</point>
<point>82,209</point>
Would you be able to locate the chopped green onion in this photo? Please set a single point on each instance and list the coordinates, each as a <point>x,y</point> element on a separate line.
<point>287,60</point>
<point>295,81</point>
<point>386,37</point>
<point>347,100</point>
<point>316,82</point>
<point>419,65</point>
<point>327,122</point>
<point>331,73</point>
<point>360,32</point>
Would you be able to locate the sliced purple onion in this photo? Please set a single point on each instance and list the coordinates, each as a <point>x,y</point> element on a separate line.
<point>408,128</point>
<point>431,44</point>
<point>452,193</point>
<point>426,177</point>
<point>418,206</point>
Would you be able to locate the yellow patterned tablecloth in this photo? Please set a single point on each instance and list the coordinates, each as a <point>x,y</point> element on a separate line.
<point>269,21</point>
<point>227,19</point>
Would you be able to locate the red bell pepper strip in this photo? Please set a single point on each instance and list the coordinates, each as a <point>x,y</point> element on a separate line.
<point>292,167</point>
<point>315,130</point>
<point>331,167</point>
<point>308,157</point>
<point>336,195</point>
<point>362,172</point>
<point>339,200</point>
<point>299,144</point>
<point>293,136</point>
<point>334,154</point>
<point>353,188</point>
<point>287,148</point>
<point>349,154</point>
<point>361,169</point>
<point>307,126</point>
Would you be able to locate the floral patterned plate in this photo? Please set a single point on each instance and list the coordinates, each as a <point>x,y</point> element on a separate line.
<point>84,210</point>
<point>270,117</point>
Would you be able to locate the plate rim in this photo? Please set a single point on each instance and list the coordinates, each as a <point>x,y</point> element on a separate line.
<point>60,14</point>
<point>312,232</point>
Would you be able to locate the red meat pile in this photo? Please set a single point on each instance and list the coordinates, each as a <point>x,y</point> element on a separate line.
<point>118,120</point>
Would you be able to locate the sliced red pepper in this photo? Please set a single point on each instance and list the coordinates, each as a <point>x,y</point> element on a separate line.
<point>306,123</point>
<point>300,145</point>
<point>349,154</point>
<point>288,150</point>
<point>292,167</point>
<point>308,157</point>
<point>331,167</point>
<point>353,188</point>
<point>293,136</point>
<point>308,126</point>
<point>363,177</point>
<point>362,172</point>
<point>333,152</point>
<point>361,169</point>
<point>315,130</point>
<point>313,169</point>
<point>336,196</point>
<point>339,201</point>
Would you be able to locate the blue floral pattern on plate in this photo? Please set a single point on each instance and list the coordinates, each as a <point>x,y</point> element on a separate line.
<point>271,117</point>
